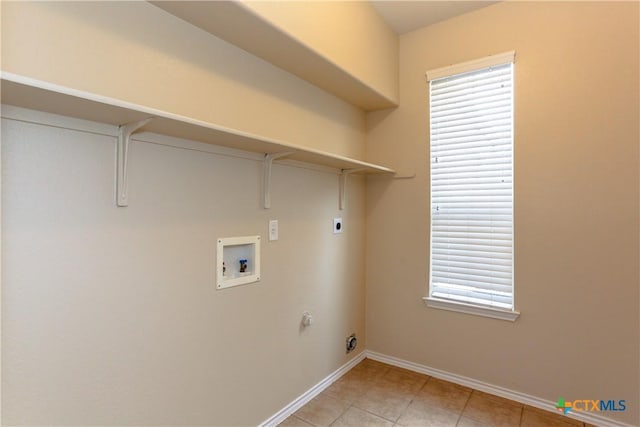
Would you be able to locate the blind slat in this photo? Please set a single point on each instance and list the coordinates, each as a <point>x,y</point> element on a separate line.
<point>469,107</point>
<point>473,146</point>
<point>475,97</point>
<point>473,260</point>
<point>480,114</point>
<point>473,138</point>
<point>454,252</point>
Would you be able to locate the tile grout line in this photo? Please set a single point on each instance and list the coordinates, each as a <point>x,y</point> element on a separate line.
<point>351,404</point>
<point>464,407</point>
<point>304,421</point>
<point>521,416</point>
<point>378,379</point>
<point>338,417</point>
<point>387,370</point>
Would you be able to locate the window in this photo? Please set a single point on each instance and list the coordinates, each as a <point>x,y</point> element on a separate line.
<point>471,137</point>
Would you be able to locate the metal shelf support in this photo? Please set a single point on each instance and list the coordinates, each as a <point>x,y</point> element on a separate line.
<point>122,159</point>
<point>343,184</point>
<point>267,163</point>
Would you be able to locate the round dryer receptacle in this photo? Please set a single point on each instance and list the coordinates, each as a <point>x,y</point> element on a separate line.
<point>352,342</point>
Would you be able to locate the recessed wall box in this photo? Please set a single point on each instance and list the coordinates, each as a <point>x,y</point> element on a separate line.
<point>238,261</point>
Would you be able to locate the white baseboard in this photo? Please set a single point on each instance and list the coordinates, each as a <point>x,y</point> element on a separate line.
<point>548,405</point>
<point>305,397</point>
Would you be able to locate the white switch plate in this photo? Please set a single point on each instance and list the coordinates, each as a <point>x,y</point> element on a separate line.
<point>273,229</point>
<point>337,225</point>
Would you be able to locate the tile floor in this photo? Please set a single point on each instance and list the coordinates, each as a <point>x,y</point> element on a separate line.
<point>377,394</point>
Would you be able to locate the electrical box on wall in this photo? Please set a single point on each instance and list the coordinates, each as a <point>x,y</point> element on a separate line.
<point>337,225</point>
<point>238,261</point>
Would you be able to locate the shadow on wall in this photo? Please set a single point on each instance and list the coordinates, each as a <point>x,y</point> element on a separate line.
<point>209,53</point>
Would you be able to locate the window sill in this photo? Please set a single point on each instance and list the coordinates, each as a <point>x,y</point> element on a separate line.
<point>472,309</point>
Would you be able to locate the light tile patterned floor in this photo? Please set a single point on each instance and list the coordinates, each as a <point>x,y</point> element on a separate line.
<point>376,394</point>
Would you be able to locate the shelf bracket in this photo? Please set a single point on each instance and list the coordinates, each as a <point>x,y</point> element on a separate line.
<point>122,159</point>
<point>267,163</point>
<point>343,184</point>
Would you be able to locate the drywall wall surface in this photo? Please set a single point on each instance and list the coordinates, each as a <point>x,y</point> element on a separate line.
<point>576,206</point>
<point>139,53</point>
<point>110,316</point>
<point>350,34</point>
<point>0,243</point>
<point>307,58</point>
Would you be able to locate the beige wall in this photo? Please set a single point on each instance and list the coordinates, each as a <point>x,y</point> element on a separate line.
<point>110,315</point>
<point>139,53</point>
<point>348,33</point>
<point>576,206</point>
<point>147,340</point>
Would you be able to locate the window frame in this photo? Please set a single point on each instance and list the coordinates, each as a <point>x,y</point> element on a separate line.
<point>460,306</point>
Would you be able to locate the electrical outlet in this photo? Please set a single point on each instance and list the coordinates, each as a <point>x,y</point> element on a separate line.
<point>273,229</point>
<point>337,225</point>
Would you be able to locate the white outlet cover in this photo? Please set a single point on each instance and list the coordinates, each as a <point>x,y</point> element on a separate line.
<point>273,229</point>
<point>337,225</point>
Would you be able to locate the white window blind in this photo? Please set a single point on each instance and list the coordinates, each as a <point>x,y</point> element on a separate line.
<point>471,116</point>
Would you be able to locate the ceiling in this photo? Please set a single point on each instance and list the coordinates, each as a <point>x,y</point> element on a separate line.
<point>405,16</point>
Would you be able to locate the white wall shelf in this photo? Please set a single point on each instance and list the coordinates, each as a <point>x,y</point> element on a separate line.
<point>38,95</point>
